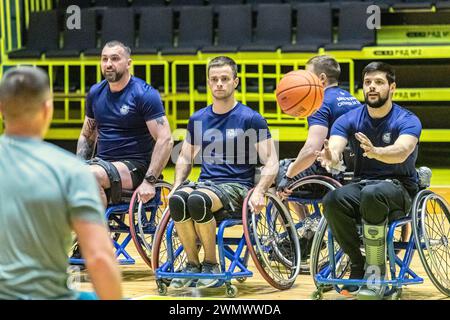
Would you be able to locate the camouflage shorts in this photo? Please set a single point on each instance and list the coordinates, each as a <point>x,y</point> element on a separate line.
<point>236,193</point>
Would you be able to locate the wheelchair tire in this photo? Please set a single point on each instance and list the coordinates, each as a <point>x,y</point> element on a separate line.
<point>263,233</point>
<point>160,254</point>
<point>310,191</point>
<point>320,257</point>
<point>431,230</point>
<point>145,218</point>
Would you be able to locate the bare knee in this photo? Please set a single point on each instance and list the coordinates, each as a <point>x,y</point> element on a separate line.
<point>101,176</point>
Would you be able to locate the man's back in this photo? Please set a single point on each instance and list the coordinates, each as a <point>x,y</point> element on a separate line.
<point>336,102</point>
<point>42,190</point>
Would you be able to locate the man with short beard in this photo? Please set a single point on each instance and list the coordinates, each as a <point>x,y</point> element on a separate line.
<point>125,117</point>
<point>384,138</point>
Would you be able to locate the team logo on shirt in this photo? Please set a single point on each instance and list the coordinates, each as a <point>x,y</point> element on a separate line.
<point>124,109</point>
<point>387,137</point>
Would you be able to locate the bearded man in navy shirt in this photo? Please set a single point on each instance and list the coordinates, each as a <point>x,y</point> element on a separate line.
<point>227,137</point>
<point>384,138</point>
<point>126,119</point>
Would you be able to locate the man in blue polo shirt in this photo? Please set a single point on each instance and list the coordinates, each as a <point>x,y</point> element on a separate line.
<point>228,136</point>
<point>126,119</point>
<point>336,102</point>
<point>384,138</point>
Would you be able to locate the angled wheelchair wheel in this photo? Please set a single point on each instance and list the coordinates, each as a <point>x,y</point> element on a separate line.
<point>306,209</point>
<point>320,255</point>
<point>431,230</point>
<point>167,250</point>
<point>272,242</point>
<point>145,218</point>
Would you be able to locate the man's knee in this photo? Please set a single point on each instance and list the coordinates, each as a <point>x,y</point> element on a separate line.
<point>178,206</point>
<point>374,204</point>
<point>371,194</point>
<point>334,203</point>
<point>199,206</point>
<point>100,175</point>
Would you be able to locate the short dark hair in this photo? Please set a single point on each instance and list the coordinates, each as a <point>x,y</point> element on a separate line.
<point>223,61</point>
<point>22,90</point>
<point>380,66</point>
<point>326,64</point>
<point>115,43</point>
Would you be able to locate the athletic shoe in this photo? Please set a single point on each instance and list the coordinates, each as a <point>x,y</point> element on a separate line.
<point>356,273</point>
<point>208,268</point>
<point>178,283</point>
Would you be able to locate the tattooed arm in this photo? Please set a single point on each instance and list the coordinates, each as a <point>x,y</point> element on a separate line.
<point>160,130</point>
<point>87,139</point>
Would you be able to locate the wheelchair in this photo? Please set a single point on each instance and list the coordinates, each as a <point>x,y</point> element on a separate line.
<point>429,218</point>
<point>306,200</point>
<point>269,238</point>
<point>140,227</point>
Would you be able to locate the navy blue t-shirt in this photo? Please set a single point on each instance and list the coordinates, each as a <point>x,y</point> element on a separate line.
<point>227,141</point>
<point>336,102</point>
<point>121,119</point>
<point>381,132</point>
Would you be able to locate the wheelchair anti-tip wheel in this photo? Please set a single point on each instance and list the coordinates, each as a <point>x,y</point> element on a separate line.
<point>431,229</point>
<point>145,218</point>
<point>272,241</point>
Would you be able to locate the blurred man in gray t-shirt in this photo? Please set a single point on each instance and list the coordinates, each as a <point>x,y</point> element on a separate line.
<point>45,193</point>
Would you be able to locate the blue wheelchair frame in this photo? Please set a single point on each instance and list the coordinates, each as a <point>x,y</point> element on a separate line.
<point>405,276</point>
<point>238,259</point>
<point>116,213</point>
<point>399,269</point>
<point>308,197</point>
<point>238,263</point>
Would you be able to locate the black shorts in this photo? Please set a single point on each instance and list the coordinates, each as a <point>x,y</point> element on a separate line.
<point>137,168</point>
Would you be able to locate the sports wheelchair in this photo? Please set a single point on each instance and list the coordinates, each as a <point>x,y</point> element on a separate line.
<point>143,219</point>
<point>269,237</point>
<point>429,218</point>
<point>305,207</point>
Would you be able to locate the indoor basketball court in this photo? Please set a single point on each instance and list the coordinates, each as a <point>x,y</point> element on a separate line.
<point>286,250</point>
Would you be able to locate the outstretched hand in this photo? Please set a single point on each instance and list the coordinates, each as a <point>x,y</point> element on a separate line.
<point>324,156</point>
<point>369,150</point>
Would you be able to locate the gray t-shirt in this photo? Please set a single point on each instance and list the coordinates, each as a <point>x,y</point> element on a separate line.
<point>43,189</point>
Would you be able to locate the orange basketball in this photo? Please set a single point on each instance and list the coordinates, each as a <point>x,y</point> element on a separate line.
<point>299,93</point>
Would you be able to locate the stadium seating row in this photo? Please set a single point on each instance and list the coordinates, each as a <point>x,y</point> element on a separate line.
<point>276,25</point>
<point>396,4</point>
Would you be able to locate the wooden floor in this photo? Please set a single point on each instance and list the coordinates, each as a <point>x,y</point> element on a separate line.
<point>139,281</point>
